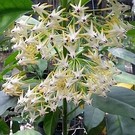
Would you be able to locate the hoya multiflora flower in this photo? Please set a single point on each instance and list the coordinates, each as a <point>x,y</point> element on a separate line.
<point>117,8</point>
<point>118,28</point>
<point>13,85</point>
<point>73,41</point>
<point>40,9</point>
<point>79,9</point>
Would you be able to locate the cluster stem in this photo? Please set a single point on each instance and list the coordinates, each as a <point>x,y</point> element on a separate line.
<point>64,120</point>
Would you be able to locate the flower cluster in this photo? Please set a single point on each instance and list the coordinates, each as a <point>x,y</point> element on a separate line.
<point>73,41</point>
<point>13,85</point>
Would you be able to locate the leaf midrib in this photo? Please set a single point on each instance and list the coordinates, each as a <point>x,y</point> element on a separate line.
<point>124,103</point>
<point>120,125</point>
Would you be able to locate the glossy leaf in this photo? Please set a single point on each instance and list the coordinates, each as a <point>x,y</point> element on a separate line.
<point>122,65</point>
<point>6,102</point>
<point>30,20</point>
<point>15,126</point>
<point>50,122</point>
<point>118,125</point>
<point>125,78</point>
<point>10,10</point>
<point>123,54</point>
<point>42,65</point>
<point>65,3</point>
<point>8,69</point>
<point>83,2</point>
<point>1,77</point>
<point>92,116</point>
<point>131,32</point>
<point>27,132</point>
<point>120,101</point>
<point>32,82</point>
<point>11,58</point>
<point>98,130</point>
<point>73,111</point>
<point>4,128</point>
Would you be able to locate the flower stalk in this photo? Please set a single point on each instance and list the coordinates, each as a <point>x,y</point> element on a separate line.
<point>64,119</point>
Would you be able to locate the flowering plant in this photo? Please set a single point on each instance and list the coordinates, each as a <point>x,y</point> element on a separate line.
<point>68,44</point>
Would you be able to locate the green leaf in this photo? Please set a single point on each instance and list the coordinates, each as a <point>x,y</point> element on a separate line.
<point>6,102</point>
<point>63,2</point>
<point>4,128</point>
<point>92,116</point>
<point>11,58</point>
<point>97,130</point>
<point>121,64</point>
<point>8,69</point>
<point>131,32</point>
<point>73,111</point>
<point>123,54</point>
<point>10,10</point>
<point>32,82</point>
<point>120,101</point>
<point>118,125</point>
<point>29,19</point>
<point>1,77</point>
<point>27,132</point>
<point>15,126</point>
<point>50,122</point>
<point>84,2</point>
<point>125,78</point>
<point>132,23</point>
<point>42,65</point>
